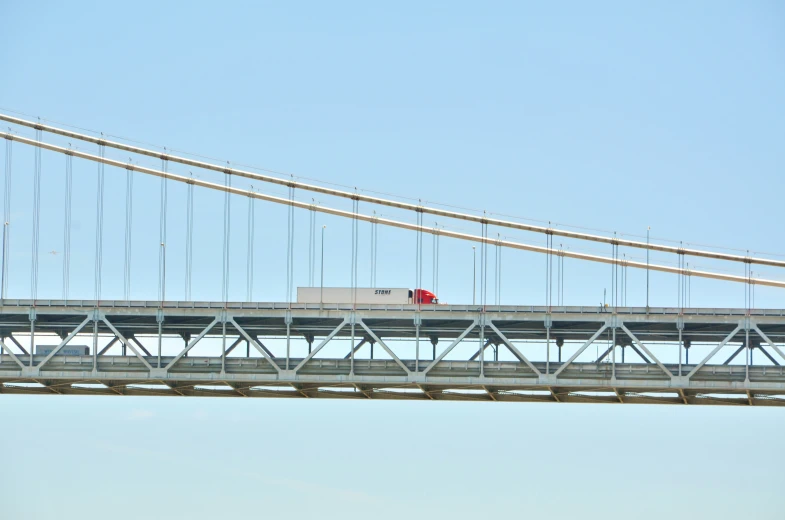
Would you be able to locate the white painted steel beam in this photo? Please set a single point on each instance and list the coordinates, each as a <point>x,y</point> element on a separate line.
<point>62,343</point>
<point>126,342</point>
<point>580,350</point>
<point>716,349</point>
<point>513,349</point>
<point>381,201</point>
<point>646,350</point>
<point>192,344</point>
<point>384,346</point>
<point>13,356</point>
<point>768,341</point>
<point>452,346</point>
<point>321,345</point>
<point>255,344</point>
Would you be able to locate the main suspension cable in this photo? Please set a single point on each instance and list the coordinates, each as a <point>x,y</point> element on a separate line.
<point>393,223</point>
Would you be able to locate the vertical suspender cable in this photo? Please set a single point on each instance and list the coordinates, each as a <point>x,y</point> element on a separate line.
<point>418,259</point>
<point>249,265</point>
<point>6,216</point>
<point>374,248</point>
<point>484,264</point>
<point>189,234</point>
<point>162,234</point>
<point>69,170</point>
<point>435,284</point>
<point>226,243</point>
<point>36,216</point>
<point>290,248</point>
<point>99,224</point>
<point>129,209</point>
<point>355,247</point>
<point>311,243</point>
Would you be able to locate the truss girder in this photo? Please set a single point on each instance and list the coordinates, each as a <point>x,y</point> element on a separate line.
<point>521,376</point>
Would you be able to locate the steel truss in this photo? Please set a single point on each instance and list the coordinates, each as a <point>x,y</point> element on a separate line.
<point>131,352</point>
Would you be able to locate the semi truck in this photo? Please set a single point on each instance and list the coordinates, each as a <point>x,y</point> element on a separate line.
<point>365,295</point>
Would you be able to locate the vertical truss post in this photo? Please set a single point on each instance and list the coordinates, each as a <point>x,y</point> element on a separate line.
<point>417,323</point>
<point>95,340</point>
<point>613,351</point>
<point>351,362</point>
<point>482,343</point>
<point>548,323</point>
<point>748,353</point>
<point>32,336</point>
<point>160,319</point>
<point>288,319</point>
<point>680,326</point>
<point>223,341</point>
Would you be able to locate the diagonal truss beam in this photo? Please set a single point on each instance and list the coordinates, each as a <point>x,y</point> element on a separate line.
<point>580,350</point>
<point>139,344</point>
<point>13,356</point>
<point>108,346</point>
<point>64,342</point>
<point>324,342</point>
<point>452,346</point>
<point>377,200</point>
<point>253,341</point>
<point>192,344</point>
<point>126,342</point>
<point>716,349</point>
<point>384,346</point>
<point>765,338</point>
<point>19,345</point>
<point>481,349</point>
<point>414,227</point>
<point>233,346</point>
<point>643,357</point>
<point>356,348</point>
<point>513,349</point>
<point>646,350</point>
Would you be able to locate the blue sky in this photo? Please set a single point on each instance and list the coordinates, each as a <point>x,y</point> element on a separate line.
<point>611,116</point>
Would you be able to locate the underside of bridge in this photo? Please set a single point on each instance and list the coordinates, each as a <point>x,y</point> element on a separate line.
<point>505,353</point>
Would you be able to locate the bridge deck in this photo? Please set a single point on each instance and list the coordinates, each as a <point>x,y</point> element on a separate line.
<point>275,339</point>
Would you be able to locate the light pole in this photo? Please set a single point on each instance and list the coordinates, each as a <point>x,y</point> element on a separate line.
<point>321,286</point>
<point>474,273</point>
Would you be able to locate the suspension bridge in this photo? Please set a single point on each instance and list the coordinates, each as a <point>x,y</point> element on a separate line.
<point>483,351</point>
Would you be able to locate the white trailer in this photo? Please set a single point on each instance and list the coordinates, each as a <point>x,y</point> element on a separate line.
<point>68,350</point>
<point>358,295</point>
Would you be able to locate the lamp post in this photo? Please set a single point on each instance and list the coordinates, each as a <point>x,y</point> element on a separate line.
<point>474,274</point>
<point>321,285</point>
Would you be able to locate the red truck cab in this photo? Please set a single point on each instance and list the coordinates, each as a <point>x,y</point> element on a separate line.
<point>424,297</point>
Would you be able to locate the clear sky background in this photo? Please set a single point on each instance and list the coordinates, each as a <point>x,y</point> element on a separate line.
<point>612,116</point>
